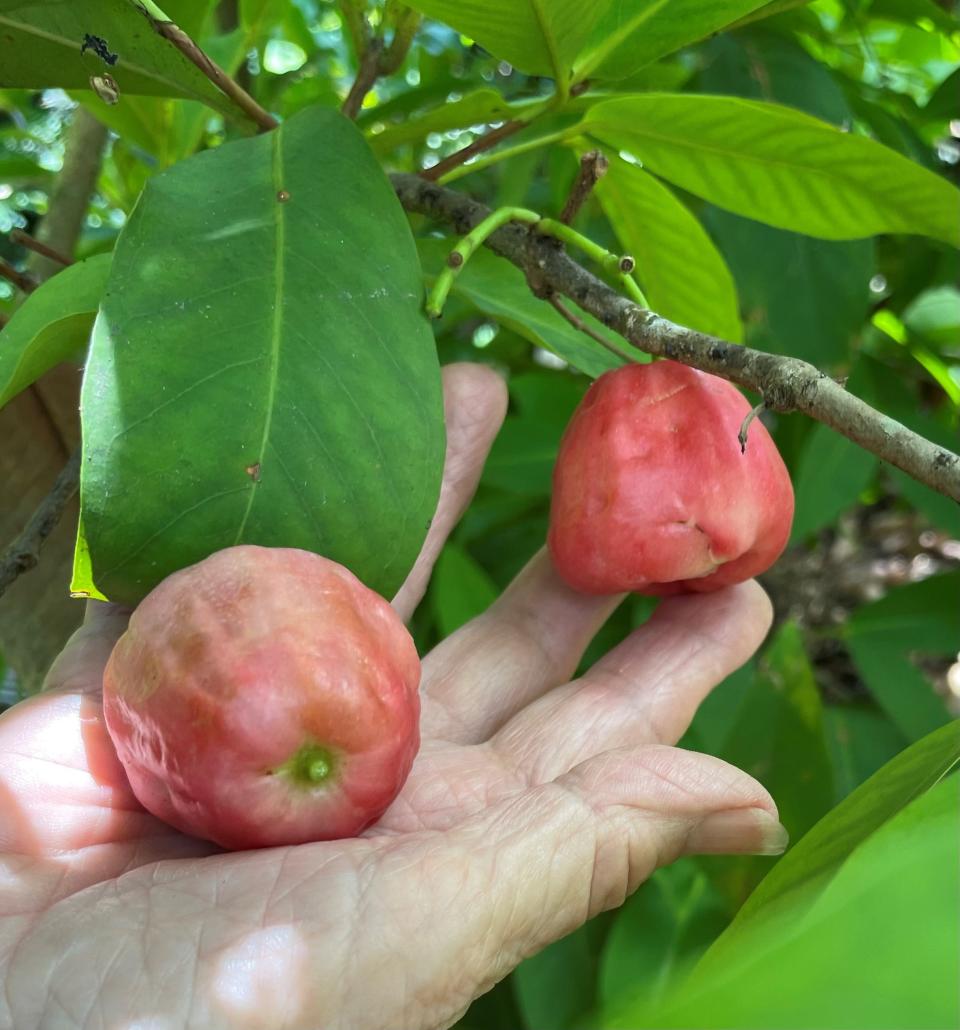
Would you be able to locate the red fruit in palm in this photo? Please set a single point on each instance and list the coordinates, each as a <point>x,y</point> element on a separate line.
<point>263,697</point>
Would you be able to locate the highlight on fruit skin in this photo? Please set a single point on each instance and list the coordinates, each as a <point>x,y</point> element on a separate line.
<point>652,493</point>
<point>264,696</point>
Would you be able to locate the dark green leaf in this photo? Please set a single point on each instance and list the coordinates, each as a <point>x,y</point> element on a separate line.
<point>682,273</point>
<point>41,43</point>
<point>778,738</point>
<point>802,297</point>
<point>261,369</point>
<point>778,166</point>
<point>499,290</point>
<point>719,712</point>
<point>557,988</point>
<point>832,473</point>
<point>886,636</point>
<point>51,325</point>
<point>459,589</point>
<point>861,740</point>
<point>659,934</point>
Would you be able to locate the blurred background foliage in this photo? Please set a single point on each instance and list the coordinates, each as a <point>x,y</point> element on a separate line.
<point>862,665</point>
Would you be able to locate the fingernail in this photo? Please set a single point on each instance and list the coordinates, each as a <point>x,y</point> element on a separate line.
<point>740,831</point>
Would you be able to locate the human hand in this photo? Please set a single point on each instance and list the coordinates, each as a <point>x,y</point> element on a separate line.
<point>534,803</point>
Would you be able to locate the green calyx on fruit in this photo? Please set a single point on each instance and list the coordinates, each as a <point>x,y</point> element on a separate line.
<point>311,766</point>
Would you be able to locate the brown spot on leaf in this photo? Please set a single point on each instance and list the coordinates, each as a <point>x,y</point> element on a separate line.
<point>253,471</point>
<point>283,196</point>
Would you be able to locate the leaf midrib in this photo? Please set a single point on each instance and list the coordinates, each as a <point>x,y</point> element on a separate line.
<point>275,328</point>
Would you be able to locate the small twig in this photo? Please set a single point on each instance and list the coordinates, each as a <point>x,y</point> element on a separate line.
<point>240,97</point>
<point>24,553</point>
<point>366,76</point>
<point>406,21</point>
<point>578,323</point>
<point>478,146</point>
<point>593,167</point>
<point>19,279</point>
<point>745,426</point>
<point>466,247</point>
<point>358,28</point>
<point>24,240</point>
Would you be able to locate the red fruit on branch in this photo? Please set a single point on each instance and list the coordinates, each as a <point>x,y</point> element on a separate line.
<point>652,494</point>
<point>262,697</point>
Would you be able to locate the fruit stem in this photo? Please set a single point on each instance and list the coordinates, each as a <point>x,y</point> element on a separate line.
<point>617,265</point>
<point>461,253</point>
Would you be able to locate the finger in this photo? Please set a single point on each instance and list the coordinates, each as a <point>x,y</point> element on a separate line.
<point>646,690</point>
<point>529,640</point>
<point>474,402</point>
<point>79,666</point>
<point>537,865</point>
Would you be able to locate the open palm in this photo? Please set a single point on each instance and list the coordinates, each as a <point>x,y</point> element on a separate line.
<point>534,803</point>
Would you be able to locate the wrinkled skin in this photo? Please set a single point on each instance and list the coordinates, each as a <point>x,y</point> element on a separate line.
<point>264,696</point>
<point>652,493</point>
<point>534,802</point>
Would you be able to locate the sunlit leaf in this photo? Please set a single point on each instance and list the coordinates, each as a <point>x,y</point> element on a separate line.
<point>779,166</point>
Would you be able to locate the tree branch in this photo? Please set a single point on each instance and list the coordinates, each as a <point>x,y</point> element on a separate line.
<point>24,552</point>
<point>478,146</point>
<point>593,167</point>
<point>19,279</point>
<point>61,226</point>
<point>367,73</point>
<point>784,383</point>
<point>29,243</point>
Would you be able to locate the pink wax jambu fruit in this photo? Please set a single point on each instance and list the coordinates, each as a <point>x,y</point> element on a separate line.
<point>652,493</point>
<point>263,697</point>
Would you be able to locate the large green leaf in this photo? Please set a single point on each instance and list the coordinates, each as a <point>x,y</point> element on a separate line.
<point>861,740</point>
<point>878,947</point>
<point>778,738</point>
<point>801,296</point>
<point>810,864</point>
<point>261,368</point>
<point>41,43</point>
<point>525,451</point>
<point>633,33</point>
<point>779,166</point>
<point>660,933</point>
<point>499,290</point>
<point>51,325</point>
<point>832,474</point>
<point>682,273</point>
<point>886,637</point>
<point>540,37</point>
<point>558,986</point>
